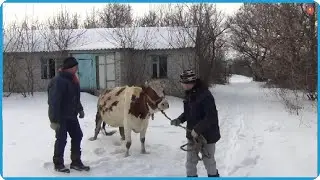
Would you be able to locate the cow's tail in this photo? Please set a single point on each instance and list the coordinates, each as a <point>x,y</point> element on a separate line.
<point>98,126</point>
<point>99,123</point>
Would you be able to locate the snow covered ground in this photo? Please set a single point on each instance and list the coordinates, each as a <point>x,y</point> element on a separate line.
<point>258,138</point>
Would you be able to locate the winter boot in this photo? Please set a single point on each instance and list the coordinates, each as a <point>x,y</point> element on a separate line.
<point>77,164</point>
<point>61,168</point>
<point>59,165</point>
<point>216,175</point>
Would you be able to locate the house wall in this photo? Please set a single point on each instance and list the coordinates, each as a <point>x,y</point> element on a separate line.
<point>131,67</point>
<point>177,61</point>
<point>19,64</point>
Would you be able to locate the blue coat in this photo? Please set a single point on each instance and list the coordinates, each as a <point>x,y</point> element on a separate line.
<point>200,113</point>
<point>63,98</point>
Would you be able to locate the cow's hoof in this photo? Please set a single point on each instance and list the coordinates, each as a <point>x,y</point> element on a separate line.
<point>109,133</point>
<point>122,139</point>
<point>92,139</point>
<point>126,154</point>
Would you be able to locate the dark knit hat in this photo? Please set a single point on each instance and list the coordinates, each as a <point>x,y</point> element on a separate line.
<point>69,62</point>
<point>188,77</point>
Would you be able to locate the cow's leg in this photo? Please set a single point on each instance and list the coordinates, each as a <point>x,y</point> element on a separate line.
<point>121,130</point>
<point>127,133</point>
<point>142,140</point>
<point>126,121</point>
<point>104,130</point>
<point>98,127</point>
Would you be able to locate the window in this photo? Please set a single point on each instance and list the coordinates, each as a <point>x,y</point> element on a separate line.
<point>159,66</point>
<point>47,68</point>
<point>106,70</point>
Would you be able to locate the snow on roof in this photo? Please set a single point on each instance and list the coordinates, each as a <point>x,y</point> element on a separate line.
<point>140,38</point>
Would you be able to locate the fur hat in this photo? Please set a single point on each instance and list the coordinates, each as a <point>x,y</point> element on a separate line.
<point>188,77</point>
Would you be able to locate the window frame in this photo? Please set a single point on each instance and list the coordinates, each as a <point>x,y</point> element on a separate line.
<point>158,60</point>
<point>48,68</point>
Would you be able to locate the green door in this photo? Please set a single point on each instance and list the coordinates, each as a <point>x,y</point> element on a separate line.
<point>86,71</point>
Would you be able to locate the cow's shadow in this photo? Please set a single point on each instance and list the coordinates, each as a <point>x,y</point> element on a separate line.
<point>115,146</point>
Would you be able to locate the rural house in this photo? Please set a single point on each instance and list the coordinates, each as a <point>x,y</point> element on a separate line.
<point>107,57</point>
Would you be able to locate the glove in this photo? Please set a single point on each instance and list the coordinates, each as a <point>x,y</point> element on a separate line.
<point>54,126</point>
<point>194,134</point>
<point>81,114</point>
<point>175,122</point>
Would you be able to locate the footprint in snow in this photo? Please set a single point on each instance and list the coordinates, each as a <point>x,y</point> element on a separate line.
<point>99,162</point>
<point>250,161</point>
<point>117,143</point>
<point>118,151</point>
<point>99,151</point>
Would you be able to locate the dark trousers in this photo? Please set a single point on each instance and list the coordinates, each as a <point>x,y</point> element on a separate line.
<point>72,127</point>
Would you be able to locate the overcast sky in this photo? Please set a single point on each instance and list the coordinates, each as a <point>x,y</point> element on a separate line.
<point>17,11</point>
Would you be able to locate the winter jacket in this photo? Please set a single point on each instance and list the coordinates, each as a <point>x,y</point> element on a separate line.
<point>200,113</point>
<point>63,98</point>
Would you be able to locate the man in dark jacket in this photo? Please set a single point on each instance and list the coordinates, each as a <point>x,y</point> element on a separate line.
<point>64,107</point>
<point>201,116</point>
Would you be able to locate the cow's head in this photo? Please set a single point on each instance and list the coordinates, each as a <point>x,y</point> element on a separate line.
<point>156,100</point>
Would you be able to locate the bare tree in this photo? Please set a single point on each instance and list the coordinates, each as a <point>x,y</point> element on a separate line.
<point>280,41</point>
<point>19,51</point>
<point>61,31</point>
<point>149,20</point>
<point>176,15</point>
<point>91,21</point>
<point>31,41</point>
<point>295,63</point>
<point>246,28</point>
<point>64,29</point>
<point>115,15</point>
<point>210,41</point>
<point>241,66</point>
<point>164,16</point>
<point>12,38</point>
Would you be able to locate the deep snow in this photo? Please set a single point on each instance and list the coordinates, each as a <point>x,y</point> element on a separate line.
<point>259,138</point>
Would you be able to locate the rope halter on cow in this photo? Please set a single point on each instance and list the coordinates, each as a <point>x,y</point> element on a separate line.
<point>197,143</point>
<point>154,103</point>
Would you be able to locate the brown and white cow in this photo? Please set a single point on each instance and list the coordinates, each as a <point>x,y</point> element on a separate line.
<point>130,108</point>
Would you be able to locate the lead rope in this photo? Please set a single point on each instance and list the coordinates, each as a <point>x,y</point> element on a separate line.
<point>198,143</point>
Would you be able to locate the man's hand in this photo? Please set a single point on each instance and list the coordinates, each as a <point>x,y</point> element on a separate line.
<point>81,114</point>
<point>175,122</point>
<point>54,126</point>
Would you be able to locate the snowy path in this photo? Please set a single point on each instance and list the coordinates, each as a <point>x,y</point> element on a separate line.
<point>258,139</point>
<point>240,140</point>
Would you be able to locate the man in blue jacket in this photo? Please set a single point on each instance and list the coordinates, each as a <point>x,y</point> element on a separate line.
<point>64,107</point>
<point>201,116</point>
